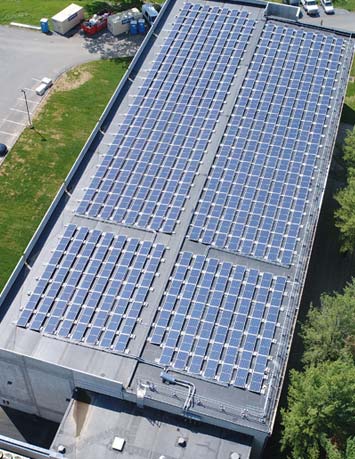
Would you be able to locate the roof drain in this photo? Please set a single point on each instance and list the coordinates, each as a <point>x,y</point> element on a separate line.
<point>170,379</point>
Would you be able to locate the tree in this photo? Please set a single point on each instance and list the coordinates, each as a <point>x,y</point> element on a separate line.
<point>321,411</point>
<point>330,330</point>
<point>350,449</point>
<point>345,215</point>
<point>332,452</point>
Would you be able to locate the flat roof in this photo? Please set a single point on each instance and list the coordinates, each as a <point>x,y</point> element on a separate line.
<point>96,420</point>
<point>184,245</point>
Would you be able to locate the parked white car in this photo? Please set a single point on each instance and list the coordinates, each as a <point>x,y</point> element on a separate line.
<point>310,7</point>
<point>46,83</point>
<point>327,6</point>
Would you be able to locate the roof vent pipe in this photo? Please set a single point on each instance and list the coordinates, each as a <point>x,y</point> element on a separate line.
<point>170,379</point>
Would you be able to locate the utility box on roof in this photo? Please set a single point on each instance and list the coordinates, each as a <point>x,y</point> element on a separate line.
<point>68,18</point>
<point>119,23</point>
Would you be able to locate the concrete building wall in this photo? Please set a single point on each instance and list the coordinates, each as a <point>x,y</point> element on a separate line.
<point>44,389</point>
<point>31,386</point>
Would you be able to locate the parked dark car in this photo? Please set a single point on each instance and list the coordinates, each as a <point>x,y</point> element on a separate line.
<point>3,150</point>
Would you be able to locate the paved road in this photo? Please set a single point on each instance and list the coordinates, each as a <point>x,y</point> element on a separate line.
<point>27,56</point>
<point>342,19</point>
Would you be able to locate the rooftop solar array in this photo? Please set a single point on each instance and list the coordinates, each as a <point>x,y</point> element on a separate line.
<point>93,288</point>
<point>218,320</point>
<point>256,193</point>
<point>267,89</point>
<point>146,177</point>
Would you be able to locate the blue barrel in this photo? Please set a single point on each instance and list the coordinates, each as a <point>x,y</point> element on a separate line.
<point>44,25</point>
<point>141,26</point>
<point>133,27</point>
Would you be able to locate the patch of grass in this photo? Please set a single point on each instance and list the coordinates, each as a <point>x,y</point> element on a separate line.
<point>100,7</point>
<point>346,4</point>
<point>37,165</point>
<point>348,113</point>
<point>350,93</point>
<point>31,11</point>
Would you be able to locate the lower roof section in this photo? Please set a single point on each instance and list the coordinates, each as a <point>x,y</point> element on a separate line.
<point>102,423</point>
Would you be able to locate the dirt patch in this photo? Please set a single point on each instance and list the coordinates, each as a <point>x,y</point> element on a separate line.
<point>66,82</point>
<point>72,80</point>
<point>55,136</point>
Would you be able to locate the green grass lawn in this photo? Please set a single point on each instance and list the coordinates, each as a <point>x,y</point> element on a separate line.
<point>346,4</point>
<point>37,165</point>
<point>31,11</point>
<point>350,93</point>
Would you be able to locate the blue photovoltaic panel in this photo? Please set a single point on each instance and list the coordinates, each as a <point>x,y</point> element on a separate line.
<point>93,288</point>
<point>146,176</point>
<point>218,320</point>
<point>256,194</point>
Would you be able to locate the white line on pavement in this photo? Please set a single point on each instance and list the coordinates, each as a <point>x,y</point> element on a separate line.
<point>18,110</point>
<point>15,122</point>
<point>8,133</point>
<point>28,100</point>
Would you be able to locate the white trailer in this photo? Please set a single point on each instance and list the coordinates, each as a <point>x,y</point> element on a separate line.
<point>68,18</point>
<point>119,23</point>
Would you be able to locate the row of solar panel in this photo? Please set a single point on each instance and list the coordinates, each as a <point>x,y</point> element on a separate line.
<point>190,10</point>
<point>218,320</point>
<point>257,190</point>
<point>284,33</point>
<point>93,289</point>
<point>146,180</point>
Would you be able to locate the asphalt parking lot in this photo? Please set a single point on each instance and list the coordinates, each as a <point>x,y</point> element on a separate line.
<point>27,56</point>
<point>342,19</point>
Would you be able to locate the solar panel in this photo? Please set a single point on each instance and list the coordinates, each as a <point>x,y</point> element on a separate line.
<point>218,320</point>
<point>146,176</point>
<point>254,200</point>
<point>93,288</point>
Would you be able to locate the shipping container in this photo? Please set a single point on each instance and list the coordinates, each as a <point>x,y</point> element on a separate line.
<point>68,18</point>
